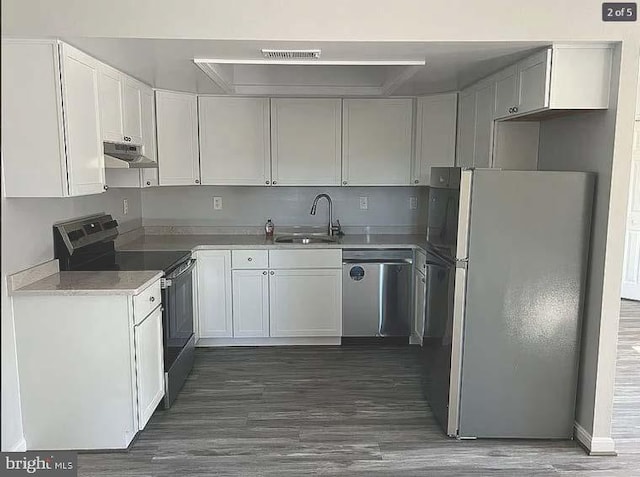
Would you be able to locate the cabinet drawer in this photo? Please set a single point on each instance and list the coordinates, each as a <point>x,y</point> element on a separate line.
<point>324,258</point>
<point>421,262</point>
<point>146,302</point>
<point>248,259</point>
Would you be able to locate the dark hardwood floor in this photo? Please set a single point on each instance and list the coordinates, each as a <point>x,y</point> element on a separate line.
<point>346,411</point>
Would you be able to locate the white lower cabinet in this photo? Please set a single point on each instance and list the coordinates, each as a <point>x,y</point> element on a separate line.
<point>92,377</point>
<point>250,303</point>
<point>214,294</point>
<point>305,302</point>
<point>149,365</point>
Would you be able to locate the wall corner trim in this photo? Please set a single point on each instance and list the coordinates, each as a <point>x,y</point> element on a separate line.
<point>20,446</point>
<point>594,445</point>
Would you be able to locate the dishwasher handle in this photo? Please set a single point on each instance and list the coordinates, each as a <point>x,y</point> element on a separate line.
<point>358,261</point>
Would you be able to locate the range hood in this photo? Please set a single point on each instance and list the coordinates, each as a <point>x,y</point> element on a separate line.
<point>125,156</point>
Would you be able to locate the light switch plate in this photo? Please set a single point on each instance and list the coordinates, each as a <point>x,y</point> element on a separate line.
<point>217,203</point>
<point>125,206</point>
<point>364,203</point>
<point>413,203</point>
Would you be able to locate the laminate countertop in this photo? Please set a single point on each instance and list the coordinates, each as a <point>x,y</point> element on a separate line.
<point>230,242</point>
<point>91,283</point>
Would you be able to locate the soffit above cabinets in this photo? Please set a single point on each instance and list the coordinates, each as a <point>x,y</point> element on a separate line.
<point>312,77</point>
<point>342,69</point>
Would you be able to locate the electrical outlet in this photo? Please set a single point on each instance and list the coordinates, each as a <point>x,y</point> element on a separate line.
<point>413,203</point>
<point>217,203</point>
<point>364,203</point>
<point>125,206</point>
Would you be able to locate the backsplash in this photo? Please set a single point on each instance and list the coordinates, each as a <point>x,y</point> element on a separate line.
<point>246,209</point>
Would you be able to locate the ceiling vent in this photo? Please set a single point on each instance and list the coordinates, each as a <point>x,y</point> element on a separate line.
<point>291,54</point>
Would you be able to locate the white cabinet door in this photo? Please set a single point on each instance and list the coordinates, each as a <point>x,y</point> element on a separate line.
<point>306,141</point>
<point>533,82</point>
<point>376,141</point>
<point>506,91</point>
<point>419,297</point>
<point>148,176</point>
<point>234,140</point>
<point>305,303</point>
<point>110,82</point>
<point>435,135</point>
<point>250,303</point>
<point>33,151</point>
<point>214,294</point>
<point>149,365</point>
<point>485,101</point>
<point>83,135</point>
<point>177,134</point>
<point>132,111</point>
<point>466,128</point>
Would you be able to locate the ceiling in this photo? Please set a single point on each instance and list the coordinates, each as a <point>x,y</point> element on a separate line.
<point>168,64</point>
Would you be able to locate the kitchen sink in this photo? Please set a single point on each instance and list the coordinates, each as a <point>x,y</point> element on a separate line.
<point>305,239</point>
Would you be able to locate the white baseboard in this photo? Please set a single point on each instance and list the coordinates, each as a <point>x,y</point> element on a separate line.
<point>594,445</point>
<point>328,341</point>
<point>20,446</point>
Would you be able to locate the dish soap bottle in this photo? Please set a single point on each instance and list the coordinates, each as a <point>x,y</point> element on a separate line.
<point>269,228</point>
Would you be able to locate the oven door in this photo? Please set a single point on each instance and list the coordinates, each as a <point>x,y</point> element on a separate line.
<point>178,311</point>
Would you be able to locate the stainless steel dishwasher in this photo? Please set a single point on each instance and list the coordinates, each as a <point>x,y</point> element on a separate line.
<point>376,292</point>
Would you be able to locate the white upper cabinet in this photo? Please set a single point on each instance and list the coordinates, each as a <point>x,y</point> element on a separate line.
<point>306,141</point>
<point>377,141</point>
<point>506,91</point>
<point>475,125</point>
<point>533,84</point>
<point>435,135</point>
<point>234,140</point>
<point>177,133</point>
<point>132,110</point>
<point>483,139</point>
<point>111,112</point>
<point>83,135</point>
<point>561,77</point>
<point>120,106</point>
<point>466,128</point>
<point>148,175</point>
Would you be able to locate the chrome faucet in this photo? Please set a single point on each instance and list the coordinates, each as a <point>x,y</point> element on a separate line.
<point>331,229</point>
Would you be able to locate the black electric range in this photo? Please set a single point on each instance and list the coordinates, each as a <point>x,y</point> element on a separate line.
<point>88,244</point>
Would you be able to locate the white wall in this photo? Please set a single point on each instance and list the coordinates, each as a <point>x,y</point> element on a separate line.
<point>27,240</point>
<point>586,141</point>
<point>321,20</point>
<point>252,206</point>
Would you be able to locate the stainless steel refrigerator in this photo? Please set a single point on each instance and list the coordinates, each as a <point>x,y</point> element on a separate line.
<point>507,260</point>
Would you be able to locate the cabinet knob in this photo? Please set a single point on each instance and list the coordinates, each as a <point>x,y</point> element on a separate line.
<point>264,273</point>
<point>197,181</point>
<point>416,181</point>
<point>274,182</point>
<point>250,259</point>
<point>424,265</point>
<point>127,138</point>
<point>344,182</point>
<point>423,280</point>
<point>148,182</point>
<point>515,109</point>
<point>273,273</point>
<point>152,299</point>
<point>105,187</point>
<point>266,182</point>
